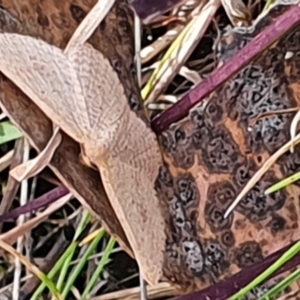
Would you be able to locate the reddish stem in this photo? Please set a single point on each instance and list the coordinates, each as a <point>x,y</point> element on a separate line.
<point>35,204</point>
<point>262,41</point>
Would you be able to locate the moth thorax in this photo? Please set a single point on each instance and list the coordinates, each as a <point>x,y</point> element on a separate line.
<point>93,155</point>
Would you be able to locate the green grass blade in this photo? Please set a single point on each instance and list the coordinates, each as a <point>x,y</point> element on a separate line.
<point>290,253</point>
<point>54,271</point>
<point>77,270</point>
<point>50,285</point>
<point>99,269</point>
<point>64,270</point>
<point>85,219</point>
<point>8,132</point>
<point>165,61</point>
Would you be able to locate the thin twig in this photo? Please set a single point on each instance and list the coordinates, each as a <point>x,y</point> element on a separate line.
<point>11,236</point>
<point>149,10</point>
<point>143,295</point>
<point>161,290</point>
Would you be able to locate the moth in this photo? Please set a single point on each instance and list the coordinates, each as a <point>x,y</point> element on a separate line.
<point>81,93</point>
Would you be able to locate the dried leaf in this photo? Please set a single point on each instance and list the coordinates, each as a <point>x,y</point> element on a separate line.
<point>33,167</point>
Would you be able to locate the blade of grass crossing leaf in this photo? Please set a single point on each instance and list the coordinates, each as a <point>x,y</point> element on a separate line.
<point>81,264</point>
<point>99,268</point>
<point>8,132</point>
<point>54,270</point>
<point>269,271</point>
<point>283,183</point>
<point>260,172</point>
<point>281,285</point>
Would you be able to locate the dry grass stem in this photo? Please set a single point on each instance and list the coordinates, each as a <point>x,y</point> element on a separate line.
<point>32,268</point>
<point>11,236</point>
<point>6,160</point>
<point>180,51</point>
<point>259,174</point>
<point>20,222</point>
<point>158,291</point>
<point>90,23</point>
<point>237,12</point>
<point>293,129</point>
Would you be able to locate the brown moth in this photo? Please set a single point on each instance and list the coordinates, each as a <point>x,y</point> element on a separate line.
<point>81,93</point>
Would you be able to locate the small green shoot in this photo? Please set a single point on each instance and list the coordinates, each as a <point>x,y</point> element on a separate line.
<point>283,183</point>
<point>268,5</point>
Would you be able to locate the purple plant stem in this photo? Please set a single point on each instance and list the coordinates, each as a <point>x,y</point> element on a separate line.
<point>35,204</point>
<point>224,289</point>
<point>262,41</point>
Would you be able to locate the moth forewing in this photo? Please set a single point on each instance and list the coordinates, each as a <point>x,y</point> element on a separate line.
<point>134,202</point>
<point>101,87</point>
<point>46,76</point>
<point>131,165</point>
